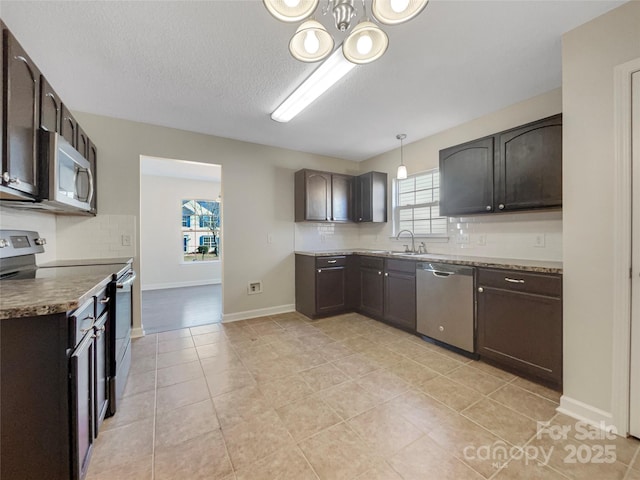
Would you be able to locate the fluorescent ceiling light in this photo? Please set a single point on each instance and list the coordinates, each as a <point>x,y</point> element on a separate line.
<point>328,73</point>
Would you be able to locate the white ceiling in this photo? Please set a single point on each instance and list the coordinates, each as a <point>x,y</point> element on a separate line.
<point>221,67</point>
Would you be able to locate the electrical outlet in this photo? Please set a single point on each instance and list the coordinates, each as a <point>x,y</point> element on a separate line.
<point>462,238</point>
<point>539,240</point>
<point>482,240</point>
<point>126,240</point>
<point>254,287</point>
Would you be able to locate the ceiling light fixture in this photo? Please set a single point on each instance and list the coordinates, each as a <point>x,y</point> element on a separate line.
<point>402,170</point>
<point>366,42</point>
<point>332,70</point>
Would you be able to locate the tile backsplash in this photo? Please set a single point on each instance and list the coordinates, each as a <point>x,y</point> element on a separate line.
<point>522,235</point>
<point>101,236</point>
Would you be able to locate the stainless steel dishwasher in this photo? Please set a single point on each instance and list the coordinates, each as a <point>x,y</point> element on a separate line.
<point>445,303</point>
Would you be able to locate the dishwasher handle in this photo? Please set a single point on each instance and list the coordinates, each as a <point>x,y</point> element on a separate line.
<point>439,274</point>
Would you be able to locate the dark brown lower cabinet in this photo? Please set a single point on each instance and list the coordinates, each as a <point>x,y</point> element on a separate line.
<point>321,285</point>
<point>101,384</point>
<point>388,290</point>
<point>82,375</point>
<point>400,293</point>
<point>520,323</point>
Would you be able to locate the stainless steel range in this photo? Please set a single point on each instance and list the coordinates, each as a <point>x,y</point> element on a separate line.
<point>18,250</point>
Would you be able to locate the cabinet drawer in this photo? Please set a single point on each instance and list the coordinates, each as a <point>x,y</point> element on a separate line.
<point>372,262</point>
<point>81,321</point>
<point>102,302</point>
<point>323,262</point>
<point>536,283</point>
<point>405,266</point>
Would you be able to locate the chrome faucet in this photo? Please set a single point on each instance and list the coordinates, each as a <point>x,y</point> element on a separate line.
<point>413,245</point>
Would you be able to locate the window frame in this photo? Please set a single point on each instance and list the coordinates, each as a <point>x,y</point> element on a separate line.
<point>396,208</point>
<point>196,229</point>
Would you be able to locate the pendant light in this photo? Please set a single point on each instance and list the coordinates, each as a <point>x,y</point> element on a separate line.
<point>311,42</point>
<point>393,12</point>
<point>291,10</point>
<point>402,170</point>
<point>366,43</point>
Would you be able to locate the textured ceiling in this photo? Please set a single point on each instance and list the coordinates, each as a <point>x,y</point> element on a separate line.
<point>221,67</point>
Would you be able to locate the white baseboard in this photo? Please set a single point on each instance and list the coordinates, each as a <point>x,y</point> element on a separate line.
<point>261,312</point>
<point>137,332</point>
<point>587,413</point>
<point>196,283</point>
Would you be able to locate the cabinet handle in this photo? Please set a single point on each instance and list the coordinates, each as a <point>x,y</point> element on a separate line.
<point>90,327</point>
<point>501,206</point>
<point>331,261</point>
<point>487,208</point>
<point>105,300</point>
<point>514,280</point>
<point>480,289</point>
<point>386,274</point>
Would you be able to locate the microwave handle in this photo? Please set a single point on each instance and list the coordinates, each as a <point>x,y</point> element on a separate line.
<point>91,187</point>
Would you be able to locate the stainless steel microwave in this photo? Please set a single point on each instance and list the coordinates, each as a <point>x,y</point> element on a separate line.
<point>66,179</point>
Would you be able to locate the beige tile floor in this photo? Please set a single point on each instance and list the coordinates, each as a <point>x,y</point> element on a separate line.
<point>346,397</point>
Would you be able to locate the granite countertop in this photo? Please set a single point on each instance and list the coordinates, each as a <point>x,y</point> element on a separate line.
<point>538,266</point>
<point>59,290</point>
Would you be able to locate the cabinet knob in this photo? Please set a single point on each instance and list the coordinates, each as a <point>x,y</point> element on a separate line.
<point>359,219</point>
<point>487,208</point>
<point>319,270</point>
<point>501,206</point>
<point>4,242</point>
<point>480,289</point>
<point>386,274</point>
<point>379,273</point>
<point>441,328</point>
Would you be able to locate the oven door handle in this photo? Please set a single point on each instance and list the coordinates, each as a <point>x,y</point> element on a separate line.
<point>131,278</point>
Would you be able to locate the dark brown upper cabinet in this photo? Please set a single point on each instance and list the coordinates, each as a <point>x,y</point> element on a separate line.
<point>82,143</point>
<point>323,197</point>
<point>528,166</point>
<point>20,97</point>
<point>50,107</point>
<point>518,169</point>
<point>466,178</point>
<point>371,197</point>
<point>69,127</point>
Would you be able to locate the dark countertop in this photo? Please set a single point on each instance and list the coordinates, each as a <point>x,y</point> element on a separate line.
<point>57,290</point>
<point>538,266</point>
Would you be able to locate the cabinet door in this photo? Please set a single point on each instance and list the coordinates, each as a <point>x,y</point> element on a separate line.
<point>400,299</point>
<point>101,371</point>
<point>318,196</point>
<point>68,127</point>
<point>330,290</point>
<point>50,107</point>
<point>522,331</point>
<point>529,166</point>
<point>92,153</point>
<point>466,178</point>
<point>341,198</point>
<point>371,292</point>
<point>82,144</point>
<point>82,404</point>
<point>21,94</point>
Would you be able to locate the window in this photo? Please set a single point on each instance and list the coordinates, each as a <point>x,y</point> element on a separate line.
<point>201,230</point>
<point>416,205</point>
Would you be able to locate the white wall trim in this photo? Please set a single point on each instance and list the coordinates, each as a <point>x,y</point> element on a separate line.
<point>261,312</point>
<point>137,332</point>
<point>622,247</point>
<point>195,283</point>
<point>586,413</point>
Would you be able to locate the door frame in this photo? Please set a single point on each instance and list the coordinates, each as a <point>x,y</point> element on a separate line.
<point>622,246</point>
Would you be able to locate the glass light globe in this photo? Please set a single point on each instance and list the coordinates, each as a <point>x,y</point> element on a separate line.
<point>293,3</point>
<point>397,6</point>
<point>311,42</point>
<point>364,44</point>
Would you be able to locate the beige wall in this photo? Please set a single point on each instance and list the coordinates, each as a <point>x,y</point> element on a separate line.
<point>161,255</point>
<point>590,53</point>
<point>506,235</point>
<point>258,200</point>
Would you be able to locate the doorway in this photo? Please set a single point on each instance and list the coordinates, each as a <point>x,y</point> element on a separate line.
<point>634,377</point>
<point>180,243</point>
